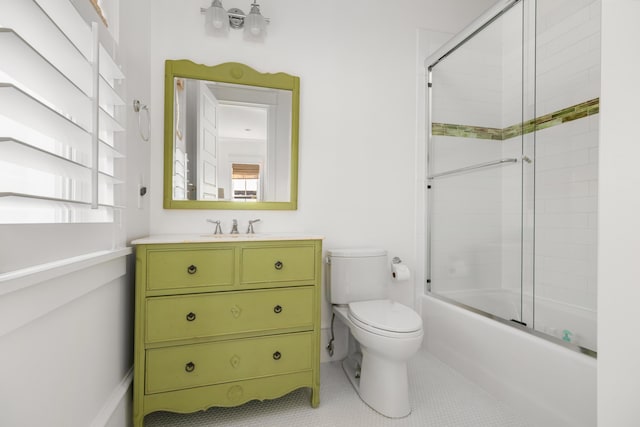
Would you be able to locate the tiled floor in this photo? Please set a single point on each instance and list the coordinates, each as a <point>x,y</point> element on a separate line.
<point>440,397</point>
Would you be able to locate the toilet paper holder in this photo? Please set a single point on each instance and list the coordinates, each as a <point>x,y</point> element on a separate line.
<point>399,271</point>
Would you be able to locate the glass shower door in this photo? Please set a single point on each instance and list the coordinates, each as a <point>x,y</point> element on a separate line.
<point>475,171</point>
<point>513,169</point>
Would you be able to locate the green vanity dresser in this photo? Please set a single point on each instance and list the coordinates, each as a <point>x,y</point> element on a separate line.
<point>222,320</point>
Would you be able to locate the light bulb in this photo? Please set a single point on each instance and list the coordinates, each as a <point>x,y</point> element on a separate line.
<point>218,16</point>
<point>255,22</point>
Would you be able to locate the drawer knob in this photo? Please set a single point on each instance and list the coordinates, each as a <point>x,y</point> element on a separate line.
<point>190,367</point>
<point>191,316</point>
<point>278,265</point>
<point>192,269</point>
<point>277,355</point>
<point>277,309</point>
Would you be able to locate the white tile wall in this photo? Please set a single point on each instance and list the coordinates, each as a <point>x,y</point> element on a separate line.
<point>566,212</point>
<point>512,67</point>
<point>465,224</point>
<point>468,83</point>
<point>567,53</point>
<point>450,152</point>
<point>511,215</point>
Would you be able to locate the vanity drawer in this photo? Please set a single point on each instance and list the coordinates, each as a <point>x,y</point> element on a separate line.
<point>277,264</point>
<point>190,268</point>
<point>175,368</point>
<point>226,313</point>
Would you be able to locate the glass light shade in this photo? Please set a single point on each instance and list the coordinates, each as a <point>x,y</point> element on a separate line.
<point>217,16</point>
<point>254,22</point>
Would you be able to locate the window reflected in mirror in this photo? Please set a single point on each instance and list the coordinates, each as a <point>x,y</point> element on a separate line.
<point>245,180</point>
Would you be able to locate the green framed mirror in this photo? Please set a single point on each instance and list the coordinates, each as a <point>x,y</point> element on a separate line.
<point>230,137</point>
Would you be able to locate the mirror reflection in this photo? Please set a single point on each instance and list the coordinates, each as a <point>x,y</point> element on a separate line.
<point>231,142</point>
<point>230,137</point>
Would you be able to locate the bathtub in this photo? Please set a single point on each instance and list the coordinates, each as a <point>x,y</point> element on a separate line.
<point>576,325</point>
<point>549,384</point>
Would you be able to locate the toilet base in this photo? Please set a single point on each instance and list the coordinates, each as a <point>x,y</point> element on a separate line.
<point>381,362</point>
<point>352,369</point>
<point>384,385</point>
<point>386,391</point>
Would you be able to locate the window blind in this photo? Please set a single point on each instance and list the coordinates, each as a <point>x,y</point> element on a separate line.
<point>245,171</point>
<point>61,115</point>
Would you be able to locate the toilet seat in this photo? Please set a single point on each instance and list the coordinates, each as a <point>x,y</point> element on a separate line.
<point>385,317</point>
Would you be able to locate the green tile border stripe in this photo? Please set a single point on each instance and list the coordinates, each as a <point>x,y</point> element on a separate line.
<point>575,112</point>
<point>465,131</point>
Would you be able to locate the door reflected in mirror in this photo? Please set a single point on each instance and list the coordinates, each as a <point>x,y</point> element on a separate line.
<point>231,145</point>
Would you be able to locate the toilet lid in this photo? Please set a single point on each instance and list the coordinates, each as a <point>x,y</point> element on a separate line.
<point>386,315</point>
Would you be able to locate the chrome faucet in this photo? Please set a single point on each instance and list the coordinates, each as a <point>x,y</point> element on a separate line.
<point>218,229</point>
<point>251,222</point>
<point>234,227</point>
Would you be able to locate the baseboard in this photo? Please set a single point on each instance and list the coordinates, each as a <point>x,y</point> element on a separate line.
<point>113,401</point>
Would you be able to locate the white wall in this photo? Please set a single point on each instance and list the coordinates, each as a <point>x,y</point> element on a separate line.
<point>135,57</point>
<point>134,24</point>
<point>67,364</point>
<point>65,347</point>
<point>358,91</point>
<point>619,221</point>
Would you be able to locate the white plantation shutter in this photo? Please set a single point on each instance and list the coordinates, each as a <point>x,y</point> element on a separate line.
<point>61,110</point>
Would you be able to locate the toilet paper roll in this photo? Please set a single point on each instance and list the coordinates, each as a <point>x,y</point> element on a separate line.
<point>400,272</point>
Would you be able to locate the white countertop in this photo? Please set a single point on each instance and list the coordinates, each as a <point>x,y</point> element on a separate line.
<point>206,238</point>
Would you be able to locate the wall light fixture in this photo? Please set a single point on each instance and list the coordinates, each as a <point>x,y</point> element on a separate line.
<point>220,20</point>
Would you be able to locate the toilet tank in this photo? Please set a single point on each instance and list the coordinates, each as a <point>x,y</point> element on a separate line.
<point>356,275</point>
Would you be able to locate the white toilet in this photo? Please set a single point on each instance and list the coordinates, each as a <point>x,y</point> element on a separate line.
<point>388,333</point>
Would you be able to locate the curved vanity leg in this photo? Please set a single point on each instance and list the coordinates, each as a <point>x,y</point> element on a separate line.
<point>315,396</point>
<point>138,418</point>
